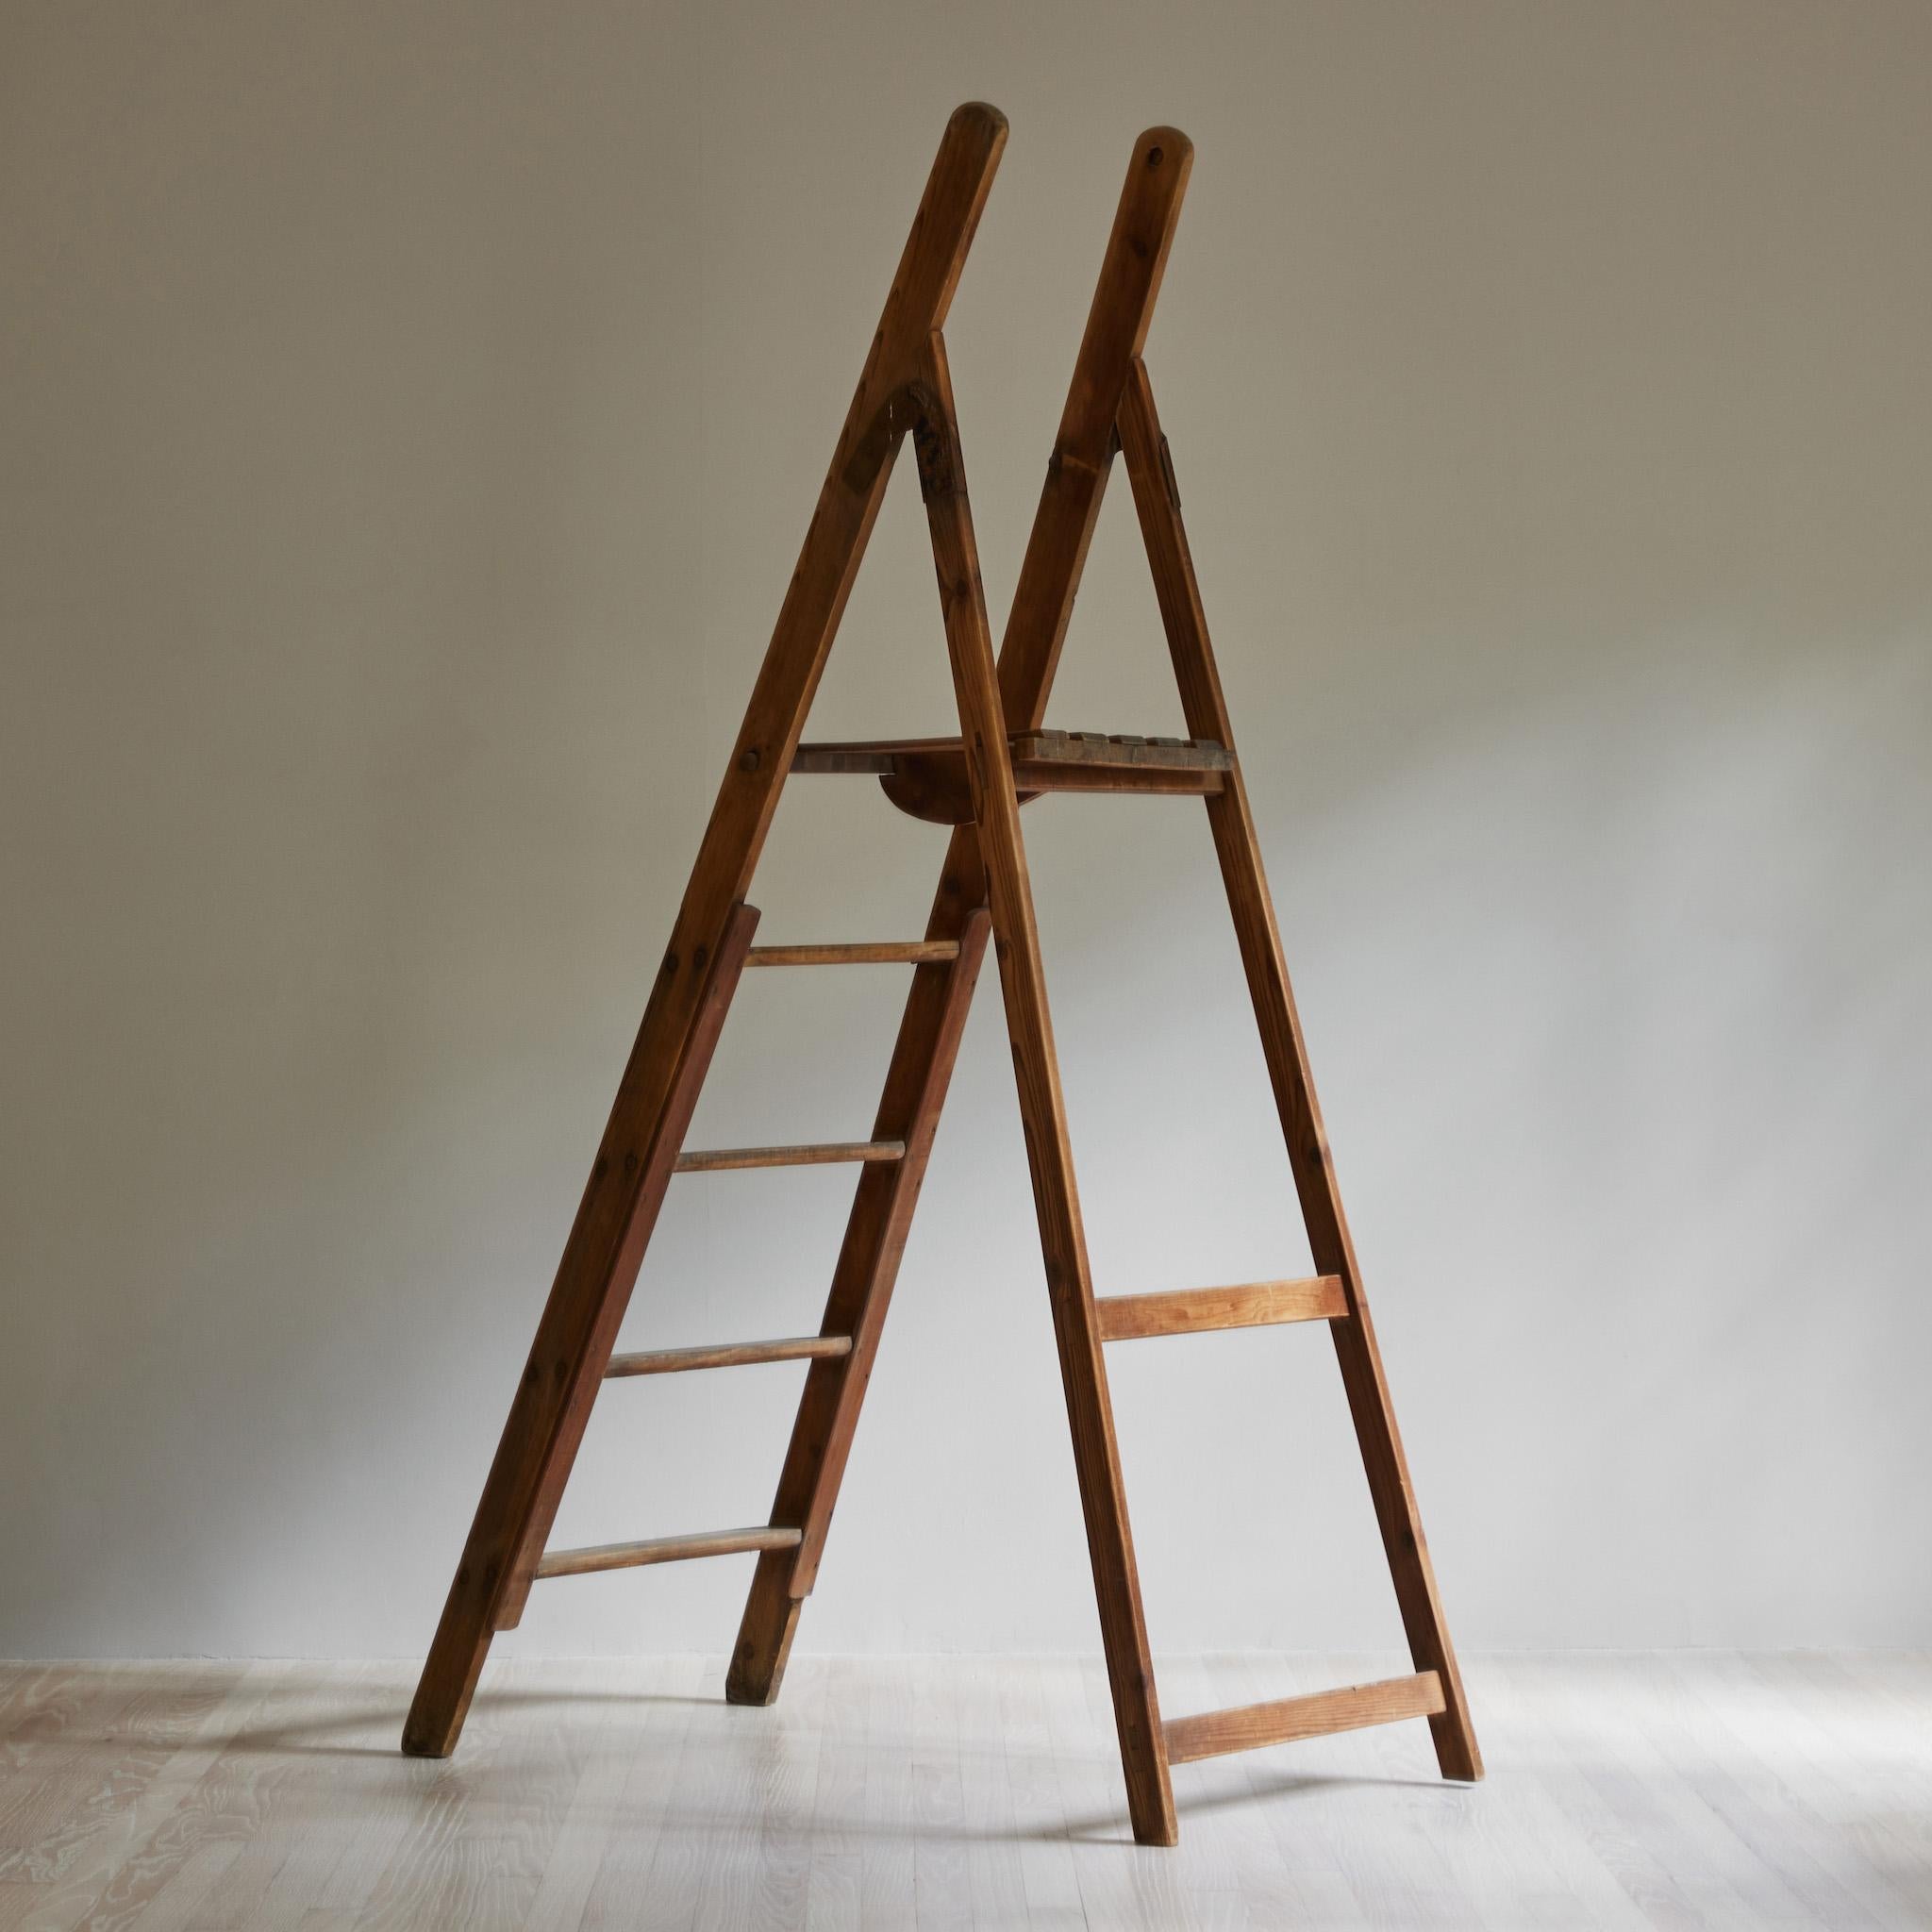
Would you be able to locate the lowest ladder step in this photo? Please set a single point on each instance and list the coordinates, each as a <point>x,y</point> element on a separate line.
<point>666,1549</point>
<point>1248,1726</point>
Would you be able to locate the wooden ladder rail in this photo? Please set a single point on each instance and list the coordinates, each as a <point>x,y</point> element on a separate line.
<point>601,1257</point>
<point>1157,498</point>
<point>1077,470</point>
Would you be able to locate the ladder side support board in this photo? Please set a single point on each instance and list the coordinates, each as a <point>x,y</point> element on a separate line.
<point>1118,320</point>
<point>560,1381</point>
<point>863,1281</point>
<point>575,1335</point>
<point>1150,471</point>
<point>1043,1113</point>
<point>1250,1727</point>
<point>1200,1311</point>
<point>581,1373</point>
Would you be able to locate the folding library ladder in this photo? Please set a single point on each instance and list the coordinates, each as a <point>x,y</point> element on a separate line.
<point>976,783</point>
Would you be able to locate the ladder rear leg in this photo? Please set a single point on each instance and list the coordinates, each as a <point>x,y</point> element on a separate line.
<point>1043,1114</point>
<point>863,1281</point>
<point>1157,497</point>
<point>1123,307</point>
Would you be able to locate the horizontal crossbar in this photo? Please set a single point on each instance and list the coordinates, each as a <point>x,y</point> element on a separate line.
<point>1248,1726</point>
<point>665,1549</point>
<point>1031,777</point>
<point>926,777</point>
<point>729,1355</point>
<point>862,953</point>
<point>875,757</point>
<point>818,1154</point>
<point>1119,749</point>
<point>881,756</point>
<point>1192,1310</point>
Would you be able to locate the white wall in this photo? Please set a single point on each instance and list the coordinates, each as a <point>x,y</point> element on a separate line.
<point>407,422</point>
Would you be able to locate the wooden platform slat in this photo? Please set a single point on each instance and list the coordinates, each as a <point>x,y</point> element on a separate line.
<point>1095,750</point>
<point>729,1355</point>
<point>1248,1726</point>
<point>1120,748</point>
<point>1194,1310</point>
<point>817,1154</point>
<point>861,755</point>
<point>663,1549</point>
<point>859,953</point>
<point>1035,775</point>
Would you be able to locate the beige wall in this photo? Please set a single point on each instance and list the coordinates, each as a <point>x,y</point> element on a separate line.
<point>407,422</point>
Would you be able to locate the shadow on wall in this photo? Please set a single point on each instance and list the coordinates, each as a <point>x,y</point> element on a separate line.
<point>402,453</point>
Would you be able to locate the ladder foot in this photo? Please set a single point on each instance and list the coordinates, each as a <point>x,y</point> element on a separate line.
<point>1166,1838</point>
<point>764,1634</point>
<point>1457,1756</point>
<point>750,1689</point>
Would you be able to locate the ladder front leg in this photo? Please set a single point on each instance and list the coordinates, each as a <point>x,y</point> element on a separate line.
<point>567,1360</point>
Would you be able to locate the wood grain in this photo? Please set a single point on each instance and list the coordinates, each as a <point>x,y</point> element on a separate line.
<point>728,1354</point>
<point>806,1154</point>
<point>926,777</point>
<point>664,1549</point>
<point>1249,1727</point>
<point>858,952</point>
<point>1192,1311</point>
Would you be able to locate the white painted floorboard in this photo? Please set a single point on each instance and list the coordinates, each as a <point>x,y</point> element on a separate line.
<point>1677,1790</point>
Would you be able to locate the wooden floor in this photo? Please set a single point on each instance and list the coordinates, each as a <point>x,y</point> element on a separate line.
<point>1703,1790</point>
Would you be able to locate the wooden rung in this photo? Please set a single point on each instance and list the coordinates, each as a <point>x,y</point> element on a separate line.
<point>865,952</point>
<point>729,1355</point>
<point>1248,1726</point>
<point>715,1160</point>
<point>664,1549</point>
<point>1251,1305</point>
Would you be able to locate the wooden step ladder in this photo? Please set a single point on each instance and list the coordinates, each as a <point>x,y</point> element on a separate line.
<point>975,782</point>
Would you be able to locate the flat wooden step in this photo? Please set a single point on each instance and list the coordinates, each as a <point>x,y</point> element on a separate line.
<point>926,777</point>
<point>875,756</point>
<point>816,1154</point>
<point>1193,1310</point>
<point>729,1355</point>
<point>1119,751</point>
<point>862,953</point>
<point>664,1549</point>
<point>1248,1726</point>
